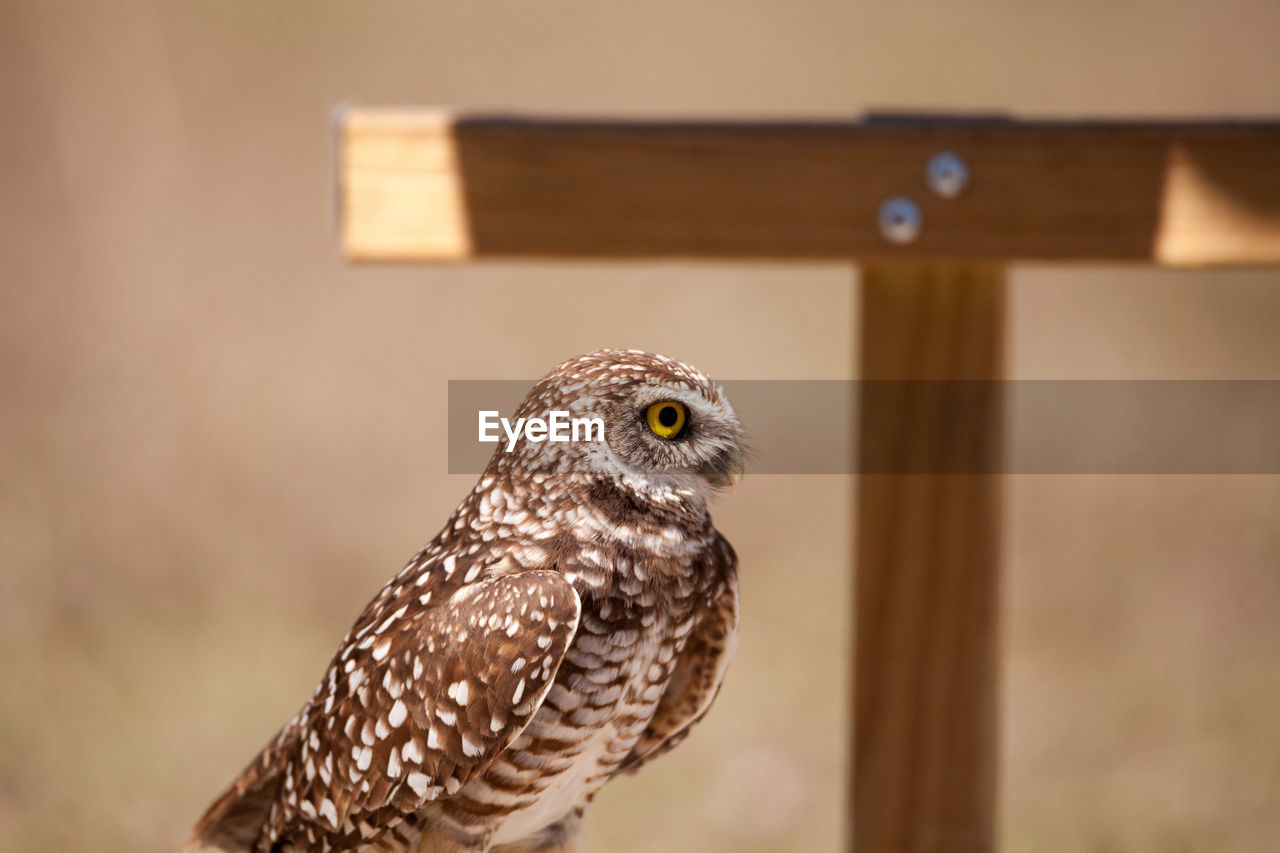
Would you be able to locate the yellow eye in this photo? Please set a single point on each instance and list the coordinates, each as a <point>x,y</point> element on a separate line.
<point>666,419</point>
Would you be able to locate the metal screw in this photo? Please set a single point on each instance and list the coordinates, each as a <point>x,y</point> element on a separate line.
<point>900,220</point>
<point>947,174</point>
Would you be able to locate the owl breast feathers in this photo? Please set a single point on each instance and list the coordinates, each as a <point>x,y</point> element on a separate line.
<point>572,620</point>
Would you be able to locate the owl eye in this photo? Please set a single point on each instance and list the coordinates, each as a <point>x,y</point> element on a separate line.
<point>666,419</point>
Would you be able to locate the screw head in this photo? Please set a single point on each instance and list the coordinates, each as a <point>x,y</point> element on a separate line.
<point>900,220</point>
<point>947,174</point>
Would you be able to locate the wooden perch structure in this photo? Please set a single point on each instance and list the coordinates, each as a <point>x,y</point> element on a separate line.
<point>935,209</point>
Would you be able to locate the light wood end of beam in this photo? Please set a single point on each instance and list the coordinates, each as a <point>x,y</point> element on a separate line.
<point>401,190</point>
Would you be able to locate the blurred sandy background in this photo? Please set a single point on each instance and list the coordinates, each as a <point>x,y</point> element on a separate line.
<point>217,440</point>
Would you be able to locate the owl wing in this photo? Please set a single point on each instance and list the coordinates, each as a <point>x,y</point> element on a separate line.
<point>416,703</point>
<point>698,673</point>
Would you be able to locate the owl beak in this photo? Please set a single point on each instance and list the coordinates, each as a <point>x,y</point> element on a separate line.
<point>725,470</point>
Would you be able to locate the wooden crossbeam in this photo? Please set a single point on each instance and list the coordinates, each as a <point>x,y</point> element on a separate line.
<point>421,185</point>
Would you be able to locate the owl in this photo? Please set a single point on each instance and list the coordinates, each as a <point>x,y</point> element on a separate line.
<point>573,620</point>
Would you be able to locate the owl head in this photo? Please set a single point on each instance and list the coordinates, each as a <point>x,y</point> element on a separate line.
<point>647,421</point>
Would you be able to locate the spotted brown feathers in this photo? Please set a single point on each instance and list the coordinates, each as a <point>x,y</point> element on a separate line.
<point>572,620</point>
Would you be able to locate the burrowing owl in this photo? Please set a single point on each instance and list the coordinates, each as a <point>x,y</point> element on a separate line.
<point>572,621</point>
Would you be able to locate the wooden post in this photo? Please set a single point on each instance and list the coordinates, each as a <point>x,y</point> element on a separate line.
<point>926,630</point>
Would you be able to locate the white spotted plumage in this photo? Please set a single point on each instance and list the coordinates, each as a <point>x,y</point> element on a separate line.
<point>573,619</point>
